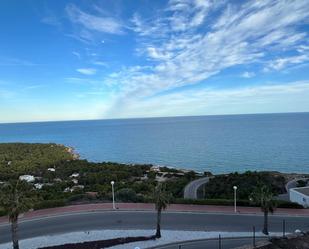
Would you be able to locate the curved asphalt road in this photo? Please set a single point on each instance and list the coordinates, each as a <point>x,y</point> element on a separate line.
<point>293,183</point>
<point>190,191</point>
<point>146,220</point>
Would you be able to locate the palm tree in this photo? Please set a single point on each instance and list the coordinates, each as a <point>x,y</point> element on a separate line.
<point>264,198</point>
<point>162,199</point>
<point>15,198</point>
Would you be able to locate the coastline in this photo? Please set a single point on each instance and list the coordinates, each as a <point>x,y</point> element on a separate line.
<point>72,151</point>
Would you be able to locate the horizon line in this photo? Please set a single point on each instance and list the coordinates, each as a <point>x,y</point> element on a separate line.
<point>153,117</point>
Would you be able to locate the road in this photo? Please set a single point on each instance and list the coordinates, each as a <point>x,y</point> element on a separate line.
<point>293,183</point>
<point>190,191</point>
<point>146,220</point>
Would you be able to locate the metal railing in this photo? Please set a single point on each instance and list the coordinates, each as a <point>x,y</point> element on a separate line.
<point>221,242</point>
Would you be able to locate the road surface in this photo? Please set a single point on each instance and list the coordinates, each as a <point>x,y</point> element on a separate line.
<point>293,183</point>
<point>190,191</point>
<point>146,220</point>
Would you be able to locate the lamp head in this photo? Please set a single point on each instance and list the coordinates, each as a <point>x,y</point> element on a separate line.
<point>235,187</point>
<point>112,182</point>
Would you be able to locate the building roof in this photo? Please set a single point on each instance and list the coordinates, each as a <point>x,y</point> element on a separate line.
<point>303,190</point>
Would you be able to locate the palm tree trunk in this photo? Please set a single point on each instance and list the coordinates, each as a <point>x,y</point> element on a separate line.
<point>158,233</point>
<point>265,229</point>
<point>14,229</point>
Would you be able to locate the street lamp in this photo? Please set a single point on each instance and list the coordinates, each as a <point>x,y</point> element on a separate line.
<point>112,183</point>
<point>235,189</point>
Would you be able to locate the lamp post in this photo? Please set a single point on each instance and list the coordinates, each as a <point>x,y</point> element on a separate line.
<point>112,183</point>
<point>235,204</point>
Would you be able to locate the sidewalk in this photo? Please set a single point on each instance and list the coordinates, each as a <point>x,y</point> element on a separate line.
<point>150,207</point>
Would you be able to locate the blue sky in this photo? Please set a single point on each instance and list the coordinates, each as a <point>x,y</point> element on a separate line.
<point>72,60</point>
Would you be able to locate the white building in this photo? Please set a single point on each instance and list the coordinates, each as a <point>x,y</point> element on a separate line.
<point>27,178</point>
<point>38,185</point>
<point>74,175</point>
<point>51,169</point>
<point>300,196</point>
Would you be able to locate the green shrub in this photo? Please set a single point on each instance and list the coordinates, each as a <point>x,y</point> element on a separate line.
<point>301,183</point>
<point>221,186</point>
<point>222,202</point>
<point>288,204</point>
<point>2,212</point>
<point>126,194</point>
<point>230,202</point>
<point>50,204</point>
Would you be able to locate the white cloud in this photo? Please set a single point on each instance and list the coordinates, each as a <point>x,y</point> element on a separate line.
<point>288,97</point>
<point>185,52</point>
<point>100,63</point>
<point>281,63</point>
<point>193,40</point>
<point>76,54</point>
<point>87,71</point>
<point>247,75</point>
<point>93,23</point>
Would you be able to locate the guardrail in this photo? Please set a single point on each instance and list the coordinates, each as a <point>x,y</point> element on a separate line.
<point>220,242</point>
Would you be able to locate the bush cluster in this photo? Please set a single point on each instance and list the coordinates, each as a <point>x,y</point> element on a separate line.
<point>221,186</point>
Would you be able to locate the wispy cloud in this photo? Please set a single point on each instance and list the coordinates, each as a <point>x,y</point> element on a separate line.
<point>87,71</point>
<point>184,53</point>
<point>76,54</point>
<point>281,63</point>
<point>51,20</point>
<point>287,97</point>
<point>247,74</point>
<point>15,62</point>
<point>89,23</point>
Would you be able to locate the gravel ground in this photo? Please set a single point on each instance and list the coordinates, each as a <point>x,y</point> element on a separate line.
<point>168,236</point>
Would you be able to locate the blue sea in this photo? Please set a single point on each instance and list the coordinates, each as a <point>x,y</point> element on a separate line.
<point>276,142</point>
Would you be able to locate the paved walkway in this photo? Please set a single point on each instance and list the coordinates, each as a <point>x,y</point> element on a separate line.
<point>150,207</point>
<point>190,191</point>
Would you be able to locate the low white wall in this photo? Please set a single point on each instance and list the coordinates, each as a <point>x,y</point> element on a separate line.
<point>299,198</point>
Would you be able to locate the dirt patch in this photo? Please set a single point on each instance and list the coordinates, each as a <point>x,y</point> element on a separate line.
<point>299,242</point>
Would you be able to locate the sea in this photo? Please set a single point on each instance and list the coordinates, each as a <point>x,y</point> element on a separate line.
<point>219,144</point>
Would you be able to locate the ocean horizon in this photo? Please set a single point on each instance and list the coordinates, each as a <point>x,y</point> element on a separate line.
<point>215,143</point>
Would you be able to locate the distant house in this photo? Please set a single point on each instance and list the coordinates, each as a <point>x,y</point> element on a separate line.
<point>155,168</point>
<point>57,180</point>
<point>38,185</point>
<point>300,196</point>
<point>51,169</point>
<point>66,190</point>
<point>27,178</point>
<point>74,188</point>
<point>74,175</point>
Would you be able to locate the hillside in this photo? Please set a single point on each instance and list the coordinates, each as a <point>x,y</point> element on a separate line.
<point>26,158</point>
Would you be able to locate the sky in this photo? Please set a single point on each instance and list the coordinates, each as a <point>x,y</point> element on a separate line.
<point>75,60</point>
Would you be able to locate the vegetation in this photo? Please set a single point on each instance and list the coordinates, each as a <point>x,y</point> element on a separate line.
<point>161,199</point>
<point>16,198</point>
<point>230,202</point>
<point>263,196</point>
<point>19,158</point>
<point>302,183</point>
<point>133,183</point>
<point>62,179</point>
<point>221,186</point>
